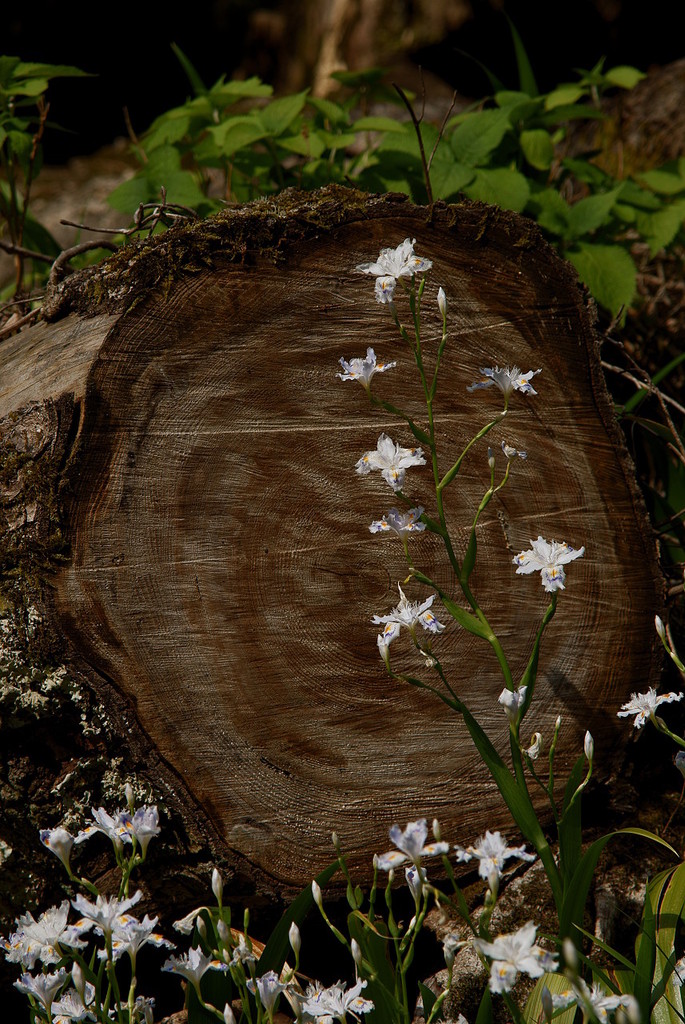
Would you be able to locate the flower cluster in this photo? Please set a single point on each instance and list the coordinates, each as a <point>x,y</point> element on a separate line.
<point>52,941</point>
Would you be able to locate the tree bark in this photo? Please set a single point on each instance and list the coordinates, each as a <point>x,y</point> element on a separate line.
<point>179,498</point>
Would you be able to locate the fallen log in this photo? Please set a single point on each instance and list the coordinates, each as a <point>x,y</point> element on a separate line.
<point>179,499</point>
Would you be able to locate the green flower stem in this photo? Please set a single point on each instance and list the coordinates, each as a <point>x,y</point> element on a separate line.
<point>113,981</point>
<point>438,359</point>
<point>580,789</point>
<point>546,787</point>
<point>88,886</point>
<point>418,433</point>
<point>451,473</point>
<point>486,632</point>
<point>662,727</point>
<point>513,1008</point>
<point>515,795</point>
<point>461,907</point>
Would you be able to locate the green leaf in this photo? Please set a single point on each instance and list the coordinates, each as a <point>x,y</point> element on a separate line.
<point>571,112</point>
<point>551,211</point>
<point>570,827</point>
<point>128,196</point>
<point>277,948</point>
<point>280,114</point>
<point>569,93</point>
<point>335,140</point>
<point>502,186</point>
<point>429,1000</point>
<point>38,238</point>
<point>538,148</point>
<point>669,912</point>
<point>181,187</point>
<point>7,67</point>
<point>556,983</point>
<point>475,139</point>
<point>588,172</point>
<point>310,145</point>
<point>575,895</point>
<point>527,81</point>
<point>485,1009</point>
<point>229,92</point>
<point>640,197</point>
<point>237,133</point>
<point>448,177</point>
<point>29,87</point>
<point>645,959</point>
<point>666,182</point>
<point>518,106</point>
<point>608,271</point>
<point>334,113</point>
<point>32,70</point>
<point>20,145</point>
<point>624,76</point>
<point>590,213</point>
<point>660,228</point>
<point>193,76</point>
<point>377,124</point>
<point>356,79</point>
<point>380,988</point>
<point>167,132</point>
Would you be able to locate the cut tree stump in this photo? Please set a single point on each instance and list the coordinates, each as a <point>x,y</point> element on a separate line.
<point>177,435</point>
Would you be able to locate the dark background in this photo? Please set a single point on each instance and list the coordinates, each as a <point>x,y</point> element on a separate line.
<point>127,45</point>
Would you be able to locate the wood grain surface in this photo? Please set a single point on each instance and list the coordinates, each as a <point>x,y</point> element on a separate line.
<point>222,576</point>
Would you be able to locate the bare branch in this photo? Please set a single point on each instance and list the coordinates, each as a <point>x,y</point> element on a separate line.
<point>417,128</point>
<point>30,254</point>
<point>59,267</point>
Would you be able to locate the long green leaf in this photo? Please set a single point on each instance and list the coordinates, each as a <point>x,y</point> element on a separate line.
<point>575,895</point>
<point>570,828</point>
<point>645,959</point>
<point>556,983</point>
<point>193,76</point>
<point>381,987</point>
<point>664,372</point>
<point>276,950</point>
<point>668,921</point>
<point>527,81</point>
<point>460,615</point>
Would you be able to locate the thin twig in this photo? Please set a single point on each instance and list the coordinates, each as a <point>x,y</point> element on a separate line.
<point>442,129</point>
<point>680,800</point>
<point>30,254</point>
<point>133,137</point>
<point>146,215</point>
<point>644,385</point>
<point>10,328</point>
<point>59,267</point>
<point>417,128</point>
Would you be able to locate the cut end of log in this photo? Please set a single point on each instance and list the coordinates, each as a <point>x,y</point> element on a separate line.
<point>222,577</point>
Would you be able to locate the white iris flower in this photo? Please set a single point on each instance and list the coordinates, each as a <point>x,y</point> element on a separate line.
<point>506,379</point>
<point>411,846</point>
<point>363,369</point>
<point>400,523</point>
<point>644,705</point>
<point>548,558</point>
<point>392,461</point>
<point>491,852</point>
<point>512,955</point>
<point>393,264</point>
<point>409,614</point>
